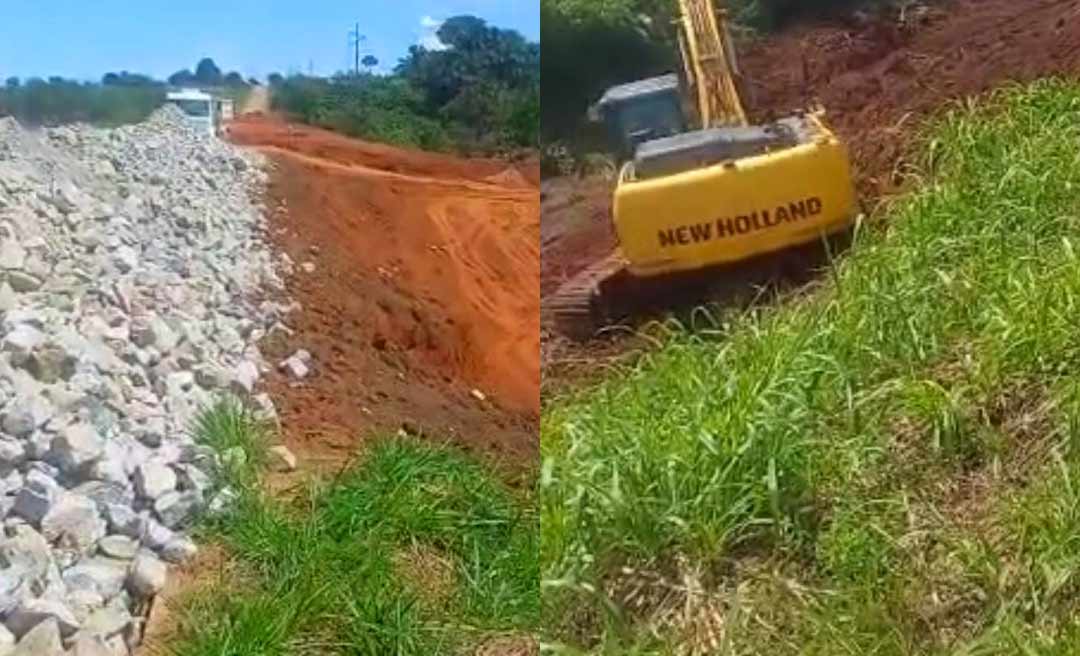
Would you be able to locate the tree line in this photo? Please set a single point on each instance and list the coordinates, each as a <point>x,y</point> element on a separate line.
<point>119,97</point>
<point>207,74</point>
<point>479,93</point>
<point>55,101</point>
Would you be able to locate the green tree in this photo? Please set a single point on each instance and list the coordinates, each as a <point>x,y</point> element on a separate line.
<point>182,78</point>
<point>589,46</point>
<point>480,93</point>
<point>56,101</point>
<point>126,79</point>
<point>234,79</point>
<point>476,53</point>
<point>207,73</point>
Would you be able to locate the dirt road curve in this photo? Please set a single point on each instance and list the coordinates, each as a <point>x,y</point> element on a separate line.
<point>422,310</point>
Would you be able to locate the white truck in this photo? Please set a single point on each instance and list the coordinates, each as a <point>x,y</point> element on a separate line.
<point>204,110</point>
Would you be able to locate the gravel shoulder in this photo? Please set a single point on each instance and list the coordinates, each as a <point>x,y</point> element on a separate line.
<point>132,264</point>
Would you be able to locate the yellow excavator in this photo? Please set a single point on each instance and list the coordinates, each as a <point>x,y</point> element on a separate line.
<point>701,189</point>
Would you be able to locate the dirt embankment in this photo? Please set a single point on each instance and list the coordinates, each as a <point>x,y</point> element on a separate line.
<point>422,306</point>
<point>877,80</point>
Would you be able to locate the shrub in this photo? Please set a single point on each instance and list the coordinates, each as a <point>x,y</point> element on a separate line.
<point>385,109</point>
<point>56,101</point>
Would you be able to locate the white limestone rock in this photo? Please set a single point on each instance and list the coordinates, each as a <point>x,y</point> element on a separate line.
<point>147,576</point>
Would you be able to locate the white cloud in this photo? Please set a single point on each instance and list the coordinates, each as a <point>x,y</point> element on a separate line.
<point>429,37</point>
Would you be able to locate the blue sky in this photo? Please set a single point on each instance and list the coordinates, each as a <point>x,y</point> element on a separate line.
<point>85,38</point>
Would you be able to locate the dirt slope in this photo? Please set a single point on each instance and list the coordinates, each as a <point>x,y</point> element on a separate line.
<point>425,288</point>
<point>877,80</point>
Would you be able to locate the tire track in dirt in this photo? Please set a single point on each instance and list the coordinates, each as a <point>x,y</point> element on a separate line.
<point>488,191</point>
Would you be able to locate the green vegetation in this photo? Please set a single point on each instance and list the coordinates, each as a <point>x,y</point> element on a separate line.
<point>479,94</point>
<point>57,101</point>
<point>588,47</point>
<point>386,109</point>
<point>120,98</point>
<point>889,465</point>
<point>414,550</point>
<point>207,75</point>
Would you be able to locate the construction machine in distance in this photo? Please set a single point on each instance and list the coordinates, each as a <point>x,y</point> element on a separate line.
<point>700,189</point>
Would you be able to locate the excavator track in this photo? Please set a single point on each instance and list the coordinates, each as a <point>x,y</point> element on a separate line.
<point>606,293</point>
<point>579,308</point>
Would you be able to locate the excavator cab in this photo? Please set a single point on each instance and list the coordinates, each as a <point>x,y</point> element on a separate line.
<point>640,112</point>
<point>646,125</point>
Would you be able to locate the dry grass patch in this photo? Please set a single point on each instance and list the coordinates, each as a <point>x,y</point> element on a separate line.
<point>429,573</point>
<point>211,569</point>
<point>509,645</point>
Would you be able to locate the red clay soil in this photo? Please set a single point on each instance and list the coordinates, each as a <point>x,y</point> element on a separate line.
<point>575,230</point>
<point>422,311</point>
<point>877,79</point>
<point>334,147</point>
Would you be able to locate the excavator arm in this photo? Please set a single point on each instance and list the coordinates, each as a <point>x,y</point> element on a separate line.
<point>710,64</point>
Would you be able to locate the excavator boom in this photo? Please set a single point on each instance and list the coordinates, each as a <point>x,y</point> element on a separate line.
<point>710,64</point>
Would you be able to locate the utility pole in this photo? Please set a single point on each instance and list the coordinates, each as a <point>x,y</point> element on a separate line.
<point>355,39</point>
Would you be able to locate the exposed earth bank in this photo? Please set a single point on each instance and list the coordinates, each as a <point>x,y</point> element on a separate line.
<point>418,277</point>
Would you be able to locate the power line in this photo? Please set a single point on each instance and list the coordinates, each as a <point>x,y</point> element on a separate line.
<point>355,39</point>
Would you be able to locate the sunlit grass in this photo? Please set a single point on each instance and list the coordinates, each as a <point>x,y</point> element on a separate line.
<point>323,574</point>
<point>865,446</point>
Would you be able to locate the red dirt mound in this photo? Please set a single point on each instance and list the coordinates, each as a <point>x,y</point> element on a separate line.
<point>876,78</point>
<point>425,287</point>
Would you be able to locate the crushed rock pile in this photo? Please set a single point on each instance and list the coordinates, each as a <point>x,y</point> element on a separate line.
<point>130,267</point>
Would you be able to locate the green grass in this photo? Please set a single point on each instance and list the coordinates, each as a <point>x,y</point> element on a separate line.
<point>323,574</point>
<point>886,466</point>
<point>232,431</point>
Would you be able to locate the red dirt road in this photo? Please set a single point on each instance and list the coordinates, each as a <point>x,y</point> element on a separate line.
<point>425,288</point>
<point>877,81</point>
